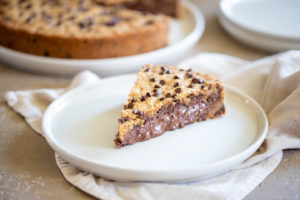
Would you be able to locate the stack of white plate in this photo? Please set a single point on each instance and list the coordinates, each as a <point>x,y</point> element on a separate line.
<point>272,25</point>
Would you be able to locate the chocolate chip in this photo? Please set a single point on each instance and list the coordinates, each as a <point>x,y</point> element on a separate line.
<point>143,98</point>
<point>45,16</point>
<point>157,86</point>
<point>162,82</point>
<point>202,87</point>
<point>4,3</point>
<point>67,9</point>
<point>31,17</point>
<point>44,3</point>
<point>147,70</point>
<point>54,2</point>
<point>90,22</point>
<point>68,56</point>
<point>149,22</point>
<point>135,111</point>
<point>21,1</point>
<point>46,53</point>
<point>168,95</point>
<point>130,105</point>
<point>169,72</point>
<point>86,23</point>
<point>161,73</point>
<point>71,18</point>
<point>113,21</point>
<point>178,90</point>
<point>125,107</point>
<point>162,98</point>
<point>175,77</point>
<point>28,6</point>
<point>148,94</point>
<point>133,100</point>
<point>203,116</point>
<point>81,25</point>
<point>190,86</point>
<point>58,23</point>
<point>10,44</point>
<point>210,99</point>
<point>142,115</point>
<point>153,79</point>
<point>195,80</point>
<point>176,101</point>
<point>100,3</point>
<point>163,68</point>
<point>176,84</point>
<point>60,15</point>
<point>123,120</point>
<point>81,2</point>
<point>193,97</point>
<point>174,96</point>
<point>189,76</point>
<point>189,70</point>
<point>220,91</point>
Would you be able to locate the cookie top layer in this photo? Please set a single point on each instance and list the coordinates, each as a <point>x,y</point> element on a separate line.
<point>159,85</point>
<point>73,18</point>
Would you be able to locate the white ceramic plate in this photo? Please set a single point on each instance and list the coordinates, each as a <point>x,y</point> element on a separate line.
<point>184,34</point>
<point>271,25</point>
<point>81,126</point>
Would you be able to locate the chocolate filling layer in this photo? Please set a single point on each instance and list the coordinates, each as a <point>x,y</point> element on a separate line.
<point>168,7</point>
<point>174,116</point>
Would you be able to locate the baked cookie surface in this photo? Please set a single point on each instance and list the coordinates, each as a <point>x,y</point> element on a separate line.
<point>166,98</point>
<point>80,29</point>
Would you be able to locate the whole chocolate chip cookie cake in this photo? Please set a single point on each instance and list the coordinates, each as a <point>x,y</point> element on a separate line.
<point>80,29</point>
<point>166,98</point>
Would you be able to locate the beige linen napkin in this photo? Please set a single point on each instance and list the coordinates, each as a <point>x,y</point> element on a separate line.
<point>274,82</point>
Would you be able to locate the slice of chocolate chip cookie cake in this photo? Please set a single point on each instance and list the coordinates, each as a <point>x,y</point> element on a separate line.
<point>165,98</point>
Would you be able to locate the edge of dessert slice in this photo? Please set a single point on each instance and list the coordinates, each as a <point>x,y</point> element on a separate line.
<point>166,98</point>
<point>167,7</point>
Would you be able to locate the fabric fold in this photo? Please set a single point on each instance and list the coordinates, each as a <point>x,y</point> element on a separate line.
<point>274,82</point>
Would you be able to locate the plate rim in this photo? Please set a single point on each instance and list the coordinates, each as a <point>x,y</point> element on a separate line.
<point>224,13</point>
<point>243,155</point>
<point>255,40</point>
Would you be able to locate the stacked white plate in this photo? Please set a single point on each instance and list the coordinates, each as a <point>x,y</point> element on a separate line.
<point>272,25</point>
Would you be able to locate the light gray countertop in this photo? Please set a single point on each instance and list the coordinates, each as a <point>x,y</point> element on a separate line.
<point>27,166</point>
